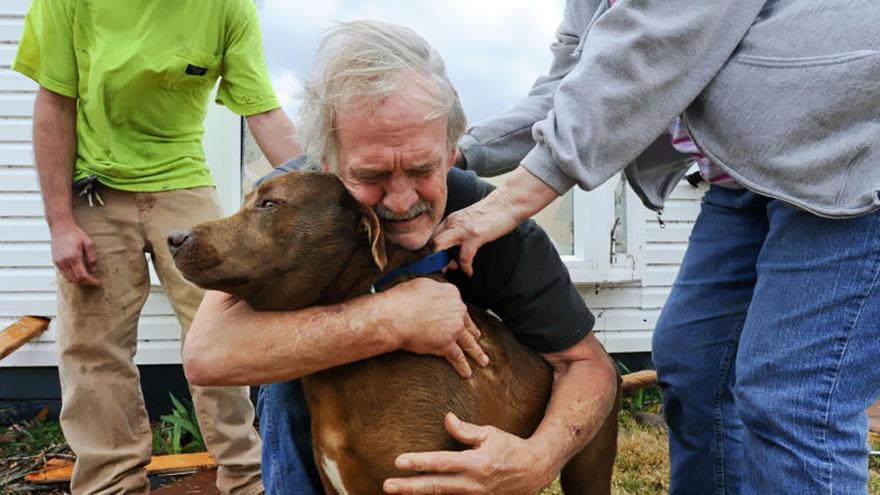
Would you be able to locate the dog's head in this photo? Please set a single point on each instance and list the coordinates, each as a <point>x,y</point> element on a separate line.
<point>288,245</point>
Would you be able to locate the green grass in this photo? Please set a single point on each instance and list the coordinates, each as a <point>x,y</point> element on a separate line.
<point>29,438</point>
<point>178,432</point>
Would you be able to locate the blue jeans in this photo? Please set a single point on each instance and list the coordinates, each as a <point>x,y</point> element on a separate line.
<point>767,350</point>
<point>285,425</point>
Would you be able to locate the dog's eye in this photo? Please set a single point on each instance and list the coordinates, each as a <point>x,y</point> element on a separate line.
<point>267,203</point>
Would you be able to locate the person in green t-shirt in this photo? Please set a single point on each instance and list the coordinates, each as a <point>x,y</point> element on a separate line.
<point>118,126</point>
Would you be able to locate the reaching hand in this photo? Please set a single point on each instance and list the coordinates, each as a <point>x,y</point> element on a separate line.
<point>472,227</point>
<point>499,462</point>
<point>432,319</point>
<point>500,212</point>
<point>73,253</point>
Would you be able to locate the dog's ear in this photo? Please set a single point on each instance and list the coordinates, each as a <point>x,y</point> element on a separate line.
<point>370,222</point>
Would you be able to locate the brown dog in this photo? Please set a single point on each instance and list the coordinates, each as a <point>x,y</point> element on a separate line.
<point>302,240</point>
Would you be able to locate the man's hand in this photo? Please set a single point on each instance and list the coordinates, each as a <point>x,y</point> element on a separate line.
<point>500,212</point>
<point>429,317</point>
<point>73,253</point>
<point>498,463</point>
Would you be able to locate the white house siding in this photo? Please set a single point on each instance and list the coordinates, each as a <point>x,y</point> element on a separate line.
<point>627,313</point>
<point>27,278</point>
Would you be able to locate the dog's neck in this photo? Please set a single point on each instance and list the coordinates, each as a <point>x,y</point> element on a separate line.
<point>360,272</point>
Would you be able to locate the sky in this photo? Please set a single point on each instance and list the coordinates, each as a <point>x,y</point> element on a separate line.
<point>494,49</point>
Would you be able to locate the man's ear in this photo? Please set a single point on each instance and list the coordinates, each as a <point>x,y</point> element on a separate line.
<point>452,158</point>
<point>373,226</point>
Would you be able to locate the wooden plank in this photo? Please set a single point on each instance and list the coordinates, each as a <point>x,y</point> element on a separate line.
<point>622,320</point>
<point>24,230</point>
<point>28,204</point>
<point>654,297</point>
<point>664,254</point>
<point>638,380</point>
<point>20,332</point>
<point>13,304</point>
<point>681,211</point>
<point>671,233</point>
<point>11,29</point>
<point>25,254</point>
<point>16,7</point>
<point>630,341</point>
<point>15,130</point>
<point>612,297</point>
<point>27,279</point>
<point>150,328</point>
<point>661,276</point>
<point>16,154</point>
<point>17,104</point>
<point>60,470</point>
<point>39,353</point>
<point>13,81</point>
<point>7,55</point>
<point>18,180</point>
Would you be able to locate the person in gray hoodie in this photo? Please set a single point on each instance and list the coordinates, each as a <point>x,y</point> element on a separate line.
<point>765,348</point>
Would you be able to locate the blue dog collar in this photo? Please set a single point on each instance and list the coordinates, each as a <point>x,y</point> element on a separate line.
<point>429,264</point>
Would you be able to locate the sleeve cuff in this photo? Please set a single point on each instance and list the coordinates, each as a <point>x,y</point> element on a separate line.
<point>474,156</point>
<point>45,81</point>
<point>573,338</point>
<point>250,107</point>
<point>541,164</point>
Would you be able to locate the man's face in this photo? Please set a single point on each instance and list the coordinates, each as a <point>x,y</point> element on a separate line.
<point>395,161</point>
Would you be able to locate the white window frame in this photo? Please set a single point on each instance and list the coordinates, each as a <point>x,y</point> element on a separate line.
<point>596,259</point>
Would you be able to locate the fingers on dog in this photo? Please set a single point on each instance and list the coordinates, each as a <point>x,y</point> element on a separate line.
<point>443,461</point>
<point>473,349</point>
<point>457,359</point>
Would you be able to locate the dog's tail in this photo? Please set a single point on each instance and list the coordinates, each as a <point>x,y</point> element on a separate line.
<point>638,380</point>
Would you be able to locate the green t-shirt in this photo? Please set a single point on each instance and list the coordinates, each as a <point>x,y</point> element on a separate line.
<point>142,73</point>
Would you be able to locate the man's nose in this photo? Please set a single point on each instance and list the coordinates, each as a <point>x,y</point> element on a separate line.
<point>177,239</point>
<point>400,196</point>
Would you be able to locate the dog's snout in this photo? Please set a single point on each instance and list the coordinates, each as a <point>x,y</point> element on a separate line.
<point>177,239</point>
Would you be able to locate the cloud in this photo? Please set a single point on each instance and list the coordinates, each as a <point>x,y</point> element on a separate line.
<point>287,86</point>
<point>494,49</point>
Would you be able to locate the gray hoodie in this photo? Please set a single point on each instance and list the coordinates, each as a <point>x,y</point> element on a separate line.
<point>784,95</point>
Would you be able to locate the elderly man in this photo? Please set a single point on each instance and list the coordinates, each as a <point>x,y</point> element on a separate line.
<point>382,114</point>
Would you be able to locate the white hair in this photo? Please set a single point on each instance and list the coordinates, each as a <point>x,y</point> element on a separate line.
<point>371,60</point>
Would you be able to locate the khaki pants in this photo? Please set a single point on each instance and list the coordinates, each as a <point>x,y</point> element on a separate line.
<point>103,414</point>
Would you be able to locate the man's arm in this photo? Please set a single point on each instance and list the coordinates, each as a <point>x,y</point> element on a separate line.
<point>231,344</point>
<point>275,135</point>
<point>584,390</point>
<point>54,153</point>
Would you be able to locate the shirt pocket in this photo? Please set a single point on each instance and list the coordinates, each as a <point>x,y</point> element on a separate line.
<point>189,69</point>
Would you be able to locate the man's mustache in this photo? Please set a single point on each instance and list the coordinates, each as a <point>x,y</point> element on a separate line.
<point>417,209</point>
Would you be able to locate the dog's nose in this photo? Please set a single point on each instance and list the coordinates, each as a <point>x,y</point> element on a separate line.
<point>177,239</point>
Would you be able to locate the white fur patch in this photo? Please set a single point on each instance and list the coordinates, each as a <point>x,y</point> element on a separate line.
<point>331,471</point>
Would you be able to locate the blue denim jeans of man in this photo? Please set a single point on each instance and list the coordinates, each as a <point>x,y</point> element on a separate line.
<point>285,426</point>
<point>767,350</point>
